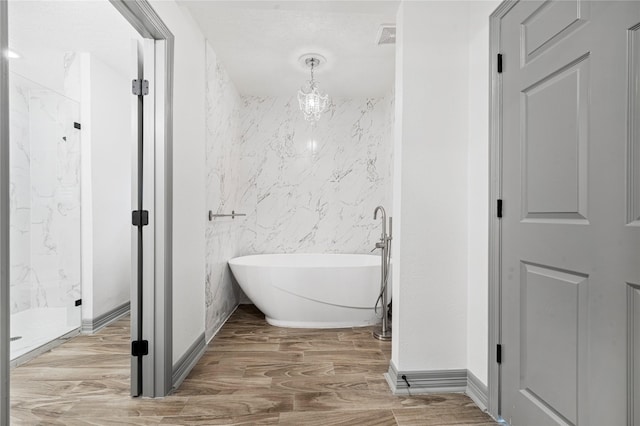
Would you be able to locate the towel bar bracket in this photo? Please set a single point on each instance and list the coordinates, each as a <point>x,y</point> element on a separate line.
<point>232,215</point>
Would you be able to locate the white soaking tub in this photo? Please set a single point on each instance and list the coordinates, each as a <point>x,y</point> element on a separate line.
<point>311,290</point>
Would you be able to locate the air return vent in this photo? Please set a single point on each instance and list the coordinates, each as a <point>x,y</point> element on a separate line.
<point>386,34</point>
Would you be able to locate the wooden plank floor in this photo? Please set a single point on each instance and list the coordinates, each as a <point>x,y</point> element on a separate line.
<point>251,374</point>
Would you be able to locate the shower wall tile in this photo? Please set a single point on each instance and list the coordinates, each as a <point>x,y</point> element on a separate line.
<point>55,199</point>
<point>45,197</point>
<point>19,193</point>
<point>72,69</point>
<point>313,188</point>
<point>222,156</point>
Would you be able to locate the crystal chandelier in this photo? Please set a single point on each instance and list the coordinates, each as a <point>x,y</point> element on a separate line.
<point>312,103</point>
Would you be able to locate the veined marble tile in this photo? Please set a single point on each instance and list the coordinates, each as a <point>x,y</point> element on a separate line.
<point>45,196</point>
<point>55,198</point>
<point>222,107</point>
<point>313,188</point>
<point>19,195</point>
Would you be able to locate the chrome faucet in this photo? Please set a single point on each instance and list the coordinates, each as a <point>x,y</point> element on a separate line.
<point>384,333</point>
<point>383,237</point>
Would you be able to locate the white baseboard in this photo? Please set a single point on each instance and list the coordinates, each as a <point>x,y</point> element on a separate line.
<point>90,326</point>
<point>477,391</point>
<point>435,381</point>
<point>185,364</point>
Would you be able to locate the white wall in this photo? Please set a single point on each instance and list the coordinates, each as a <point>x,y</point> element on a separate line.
<point>478,188</point>
<point>108,134</point>
<point>441,186</point>
<point>189,209</point>
<point>430,193</point>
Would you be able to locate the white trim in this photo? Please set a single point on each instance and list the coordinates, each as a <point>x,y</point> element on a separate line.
<point>222,324</point>
<point>438,381</point>
<point>633,130</point>
<point>432,381</point>
<point>5,305</point>
<point>150,329</point>
<point>185,364</point>
<point>495,193</point>
<point>477,391</point>
<point>633,304</point>
<point>90,326</point>
<point>136,294</point>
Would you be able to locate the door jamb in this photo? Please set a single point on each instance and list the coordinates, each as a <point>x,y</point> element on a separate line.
<point>495,193</point>
<point>157,315</point>
<point>5,304</point>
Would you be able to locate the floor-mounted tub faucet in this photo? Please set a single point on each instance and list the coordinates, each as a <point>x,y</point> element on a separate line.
<point>385,244</point>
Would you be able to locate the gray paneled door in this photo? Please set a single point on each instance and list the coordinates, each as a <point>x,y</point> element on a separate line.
<point>570,249</point>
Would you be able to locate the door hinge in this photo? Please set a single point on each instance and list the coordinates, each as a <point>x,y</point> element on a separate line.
<point>139,348</point>
<point>140,87</point>
<point>499,354</point>
<point>499,64</point>
<point>140,217</point>
<point>499,208</point>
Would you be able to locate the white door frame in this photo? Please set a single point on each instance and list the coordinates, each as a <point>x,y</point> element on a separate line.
<point>5,305</point>
<point>157,366</point>
<point>157,369</point>
<point>495,194</point>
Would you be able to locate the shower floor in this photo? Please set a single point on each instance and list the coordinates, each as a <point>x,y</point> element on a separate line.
<point>34,328</point>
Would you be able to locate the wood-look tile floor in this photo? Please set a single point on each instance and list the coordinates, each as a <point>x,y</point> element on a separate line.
<point>251,374</point>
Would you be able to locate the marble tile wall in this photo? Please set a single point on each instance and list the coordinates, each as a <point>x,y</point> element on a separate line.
<point>45,197</point>
<point>313,188</point>
<point>20,195</point>
<point>222,156</point>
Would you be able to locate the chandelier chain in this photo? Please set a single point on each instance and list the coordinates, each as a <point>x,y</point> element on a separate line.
<point>312,80</point>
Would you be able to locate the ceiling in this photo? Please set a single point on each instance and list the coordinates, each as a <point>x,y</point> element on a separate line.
<point>259,43</point>
<point>37,28</point>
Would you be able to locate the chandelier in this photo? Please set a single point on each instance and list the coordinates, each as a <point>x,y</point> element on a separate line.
<point>312,103</point>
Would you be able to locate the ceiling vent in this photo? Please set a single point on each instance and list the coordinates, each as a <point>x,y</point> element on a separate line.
<point>386,34</point>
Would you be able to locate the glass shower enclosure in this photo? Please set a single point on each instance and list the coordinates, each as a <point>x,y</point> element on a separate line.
<point>45,247</point>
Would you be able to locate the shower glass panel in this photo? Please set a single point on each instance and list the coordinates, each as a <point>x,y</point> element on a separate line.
<point>44,215</point>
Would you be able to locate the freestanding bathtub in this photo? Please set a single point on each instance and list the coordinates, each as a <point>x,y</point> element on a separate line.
<point>311,290</point>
